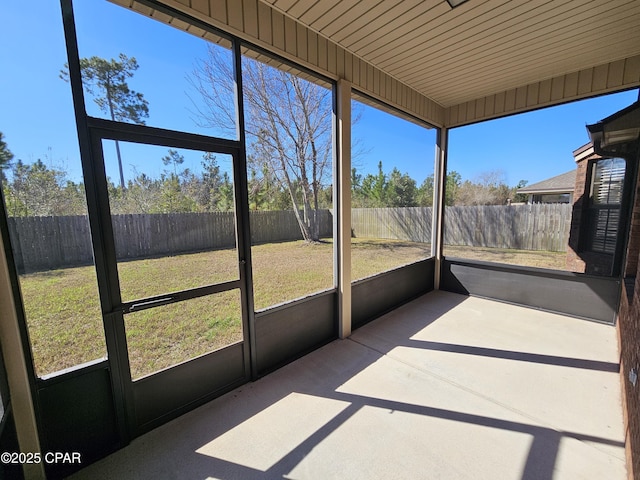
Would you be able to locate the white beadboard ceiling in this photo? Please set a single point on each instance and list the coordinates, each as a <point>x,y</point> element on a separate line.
<point>480,48</point>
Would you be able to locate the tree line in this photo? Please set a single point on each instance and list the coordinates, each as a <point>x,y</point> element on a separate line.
<point>37,189</point>
<point>289,143</point>
<point>396,189</point>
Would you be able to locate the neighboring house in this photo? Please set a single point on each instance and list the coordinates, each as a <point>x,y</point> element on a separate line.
<point>558,189</point>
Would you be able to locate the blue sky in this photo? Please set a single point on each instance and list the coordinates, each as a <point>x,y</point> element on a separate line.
<point>532,146</point>
<point>36,114</point>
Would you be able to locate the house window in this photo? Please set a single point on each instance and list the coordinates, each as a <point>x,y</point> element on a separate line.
<point>607,180</point>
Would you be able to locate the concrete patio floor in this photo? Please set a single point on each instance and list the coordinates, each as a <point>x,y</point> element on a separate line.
<point>445,387</point>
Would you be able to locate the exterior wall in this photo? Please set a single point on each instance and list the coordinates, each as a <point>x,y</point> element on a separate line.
<point>633,248</point>
<point>580,261</point>
<point>574,262</point>
<point>628,341</point>
<point>628,325</point>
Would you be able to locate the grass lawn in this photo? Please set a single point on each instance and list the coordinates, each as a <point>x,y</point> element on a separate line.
<point>528,258</point>
<point>65,324</point>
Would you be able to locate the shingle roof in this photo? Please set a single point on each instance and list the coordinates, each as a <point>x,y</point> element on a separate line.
<point>565,182</point>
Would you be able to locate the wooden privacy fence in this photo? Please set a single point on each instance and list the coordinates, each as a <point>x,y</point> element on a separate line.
<point>402,223</point>
<point>540,226</point>
<point>46,243</point>
<point>523,227</point>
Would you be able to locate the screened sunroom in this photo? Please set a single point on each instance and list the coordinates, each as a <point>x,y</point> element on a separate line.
<point>238,233</point>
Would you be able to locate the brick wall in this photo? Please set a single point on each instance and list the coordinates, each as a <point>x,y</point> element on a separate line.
<point>629,341</point>
<point>574,262</point>
<point>633,248</point>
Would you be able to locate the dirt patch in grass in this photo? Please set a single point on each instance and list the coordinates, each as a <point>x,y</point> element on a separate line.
<point>65,323</point>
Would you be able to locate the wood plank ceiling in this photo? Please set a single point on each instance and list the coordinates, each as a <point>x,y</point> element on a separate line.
<point>479,48</point>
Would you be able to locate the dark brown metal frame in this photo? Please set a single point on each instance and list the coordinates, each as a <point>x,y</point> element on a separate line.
<point>116,309</point>
<point>91,133</point>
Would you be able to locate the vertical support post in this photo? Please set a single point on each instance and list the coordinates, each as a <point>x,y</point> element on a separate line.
<point>243,229</point>
<point>437,219</point>
<point>342,206</point>
<point>22,404</point>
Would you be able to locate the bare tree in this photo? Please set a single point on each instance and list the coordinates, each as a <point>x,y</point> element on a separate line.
<point>488,188</point>
<point>288,126</point>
